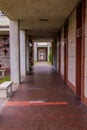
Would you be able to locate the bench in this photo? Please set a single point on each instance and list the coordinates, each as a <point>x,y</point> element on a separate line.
<point>6,89</point>
<point>2,71</point>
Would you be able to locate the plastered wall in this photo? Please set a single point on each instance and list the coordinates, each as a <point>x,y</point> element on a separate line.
<point>72,49</point>
<point>58,55</point>
<point>62,51</point>
<point>85,72</point>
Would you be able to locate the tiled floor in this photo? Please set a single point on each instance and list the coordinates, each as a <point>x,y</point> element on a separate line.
<point>43,102</point>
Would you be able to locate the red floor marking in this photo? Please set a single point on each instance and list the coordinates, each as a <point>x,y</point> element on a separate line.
<point>27,103</point>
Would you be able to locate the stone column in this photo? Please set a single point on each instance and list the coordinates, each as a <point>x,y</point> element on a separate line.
<point>35,51</point>
<point>15,51</point>
<point>27,54</point>
<point>48,51</point>
<point>22,53</point>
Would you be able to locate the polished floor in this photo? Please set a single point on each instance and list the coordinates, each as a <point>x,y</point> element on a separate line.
<point>43,102</point>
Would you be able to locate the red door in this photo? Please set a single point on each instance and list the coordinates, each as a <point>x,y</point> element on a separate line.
<point>78,48</point>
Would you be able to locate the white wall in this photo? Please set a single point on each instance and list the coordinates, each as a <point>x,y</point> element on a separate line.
<point>58,55</point>
<point>72,49</point>
<point>62,51</point>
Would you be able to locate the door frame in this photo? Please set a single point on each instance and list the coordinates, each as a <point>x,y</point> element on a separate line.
<point>83,50</point>
<point>38,48</point>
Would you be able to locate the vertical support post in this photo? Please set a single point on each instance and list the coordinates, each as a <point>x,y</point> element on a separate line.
<point>48,51</point>
<point>27,54</point>
<point>22,53</point>
<point>15,51</point>
<point>35,51</point>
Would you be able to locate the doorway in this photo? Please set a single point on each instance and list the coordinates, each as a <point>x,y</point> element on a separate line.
<point>42,54</point>
<point>78,48</point>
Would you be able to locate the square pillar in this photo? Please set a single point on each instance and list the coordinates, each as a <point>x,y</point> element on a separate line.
<point>22,53</point>
<point>48,51</point>
<point>14,52</point>
<point>27,54</point>
<point>35,51</point>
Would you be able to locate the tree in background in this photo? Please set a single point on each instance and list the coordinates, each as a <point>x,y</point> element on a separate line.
<point>50,56</point>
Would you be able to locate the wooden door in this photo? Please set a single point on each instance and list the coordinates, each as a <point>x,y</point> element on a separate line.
<point>78,48</point>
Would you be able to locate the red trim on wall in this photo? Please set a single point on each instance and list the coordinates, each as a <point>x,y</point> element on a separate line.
<point>78,48</point>
<point>83,99</point>
<point>83,51</point>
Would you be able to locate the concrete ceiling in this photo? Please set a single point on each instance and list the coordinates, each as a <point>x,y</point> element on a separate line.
<point>40,18</point>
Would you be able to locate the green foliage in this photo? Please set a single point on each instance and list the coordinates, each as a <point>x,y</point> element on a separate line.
<point>6,78</point>
<point>50,56</point>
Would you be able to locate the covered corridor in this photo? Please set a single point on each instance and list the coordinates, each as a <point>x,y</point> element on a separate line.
<point>43,102</point>
<point>63,23</point>
<point>51,97</point>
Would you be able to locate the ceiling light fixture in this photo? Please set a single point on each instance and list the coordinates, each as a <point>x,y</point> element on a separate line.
<point>43,20</point>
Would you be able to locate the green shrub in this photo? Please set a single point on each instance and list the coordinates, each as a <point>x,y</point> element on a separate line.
<point>2,79</point>
<point>50,56</point>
